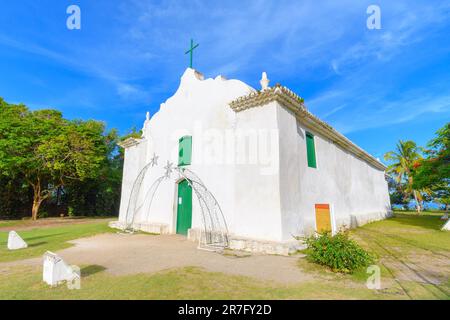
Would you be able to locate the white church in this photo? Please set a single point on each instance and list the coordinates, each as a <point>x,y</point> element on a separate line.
<point>231,166</point>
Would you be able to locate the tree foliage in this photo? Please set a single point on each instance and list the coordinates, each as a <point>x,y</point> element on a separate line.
<point>397,194</point>
<point>53,155</point>
<point>402,161</point>
<point>422,174</point>
<point>433,172</point>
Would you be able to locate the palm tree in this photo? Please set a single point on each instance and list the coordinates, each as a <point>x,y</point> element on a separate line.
<point>402,160</point>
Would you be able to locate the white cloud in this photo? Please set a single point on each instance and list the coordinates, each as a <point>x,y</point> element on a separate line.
<point>131,92</point>
<point>379,111</point>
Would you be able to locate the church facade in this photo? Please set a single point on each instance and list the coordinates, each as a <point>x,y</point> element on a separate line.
<point>254,165</point>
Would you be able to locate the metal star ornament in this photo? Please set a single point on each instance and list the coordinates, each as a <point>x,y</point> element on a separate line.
<point>169,169</point>
<point>154,160</point>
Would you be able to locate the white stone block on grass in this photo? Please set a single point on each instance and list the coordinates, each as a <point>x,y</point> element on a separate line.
<point>56,270</point>
<point>446,226</point>
<point>15,242</point>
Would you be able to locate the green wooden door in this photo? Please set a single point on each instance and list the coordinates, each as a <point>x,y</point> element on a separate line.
<point>184,209</point>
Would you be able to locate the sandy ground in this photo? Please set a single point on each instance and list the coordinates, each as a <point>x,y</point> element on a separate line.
<point>123,254</point>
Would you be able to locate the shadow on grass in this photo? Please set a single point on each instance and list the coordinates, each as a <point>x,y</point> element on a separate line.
<point>92,269</point>
<point>426,222</point>
<point>44,236</point>
<point>37,244</point>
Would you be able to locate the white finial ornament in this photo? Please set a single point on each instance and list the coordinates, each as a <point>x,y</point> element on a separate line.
<point>264,81</point>
<point>146,126</point>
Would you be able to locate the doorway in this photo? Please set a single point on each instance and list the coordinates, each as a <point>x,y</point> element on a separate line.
<point>184,208</point>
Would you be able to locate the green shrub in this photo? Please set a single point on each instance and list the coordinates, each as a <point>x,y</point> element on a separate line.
<point>71,212</point>
<point>42,214</point>
<point>338,252</point>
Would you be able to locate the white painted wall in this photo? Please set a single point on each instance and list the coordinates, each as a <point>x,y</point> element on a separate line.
<point>135,159</point>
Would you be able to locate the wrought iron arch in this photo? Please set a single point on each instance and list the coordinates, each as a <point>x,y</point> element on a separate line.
<point>215,230</point>
<point>214,234</point>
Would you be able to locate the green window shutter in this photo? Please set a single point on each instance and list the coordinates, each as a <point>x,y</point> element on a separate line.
<point>185,151</point>
<point>311,150</point>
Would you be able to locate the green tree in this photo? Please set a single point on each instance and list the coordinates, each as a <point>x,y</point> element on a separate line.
<point>101,195</point>
<point>433,172</point>
<point>15,197</point>
<point>397,195</point>
<point>47,150</point>
<point>402,161</point>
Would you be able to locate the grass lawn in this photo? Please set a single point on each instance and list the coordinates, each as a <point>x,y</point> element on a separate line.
<point>411,247</point>
<point>407,232</point>
<point>44,239</point>
<point>184,283</point>
<point>12,223</point>
<point>404,241</point>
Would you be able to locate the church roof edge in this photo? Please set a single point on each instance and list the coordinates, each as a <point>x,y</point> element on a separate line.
<point>295,103</point>
<point>130,142</point>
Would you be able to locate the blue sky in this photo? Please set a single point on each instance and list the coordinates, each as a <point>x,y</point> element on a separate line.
<point>375,86</point>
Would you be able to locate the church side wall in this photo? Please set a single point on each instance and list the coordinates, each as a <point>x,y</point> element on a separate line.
<point>356,192</point>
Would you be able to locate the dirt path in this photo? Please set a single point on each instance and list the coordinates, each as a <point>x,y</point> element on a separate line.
<point>124,254</point>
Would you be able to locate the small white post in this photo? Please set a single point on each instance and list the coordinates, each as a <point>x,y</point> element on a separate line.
<point>15,242</point>
<point>56,270</point>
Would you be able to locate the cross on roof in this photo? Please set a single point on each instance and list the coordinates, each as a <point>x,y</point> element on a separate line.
<point>191,51</point>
